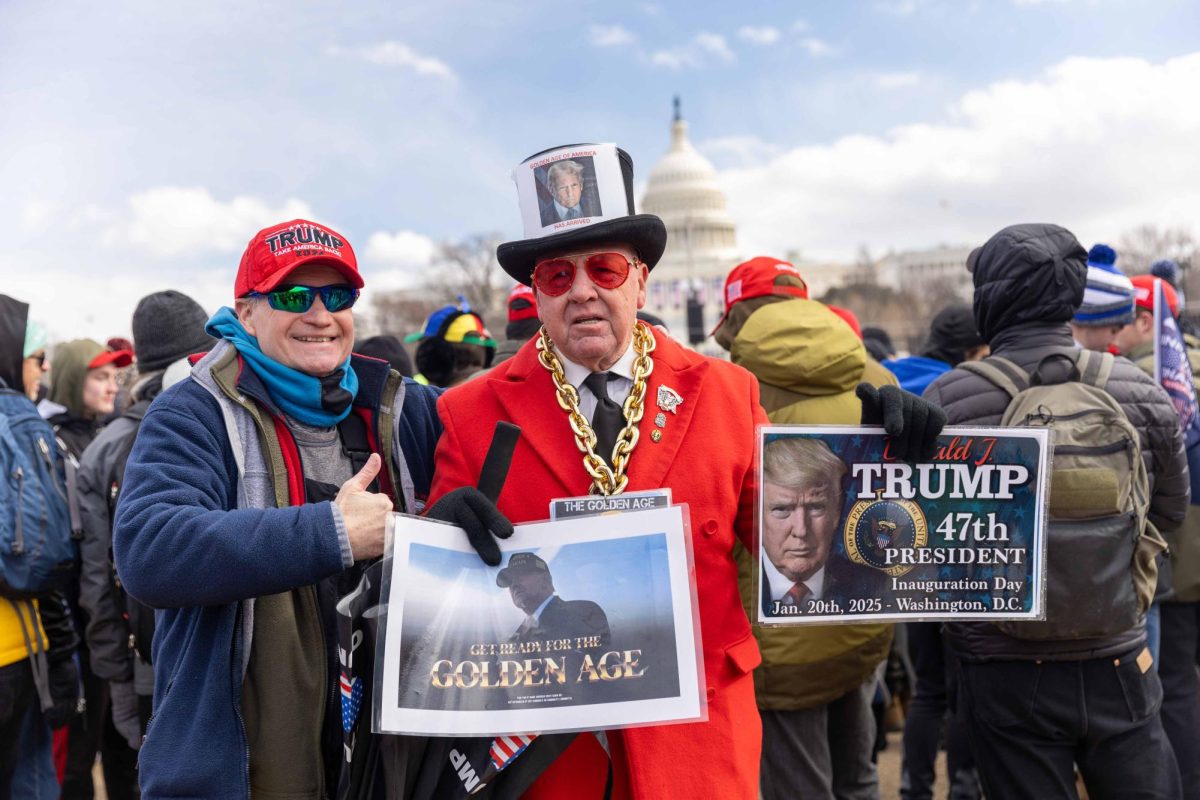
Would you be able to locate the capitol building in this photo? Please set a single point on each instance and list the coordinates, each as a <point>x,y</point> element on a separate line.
<point>701,249</point>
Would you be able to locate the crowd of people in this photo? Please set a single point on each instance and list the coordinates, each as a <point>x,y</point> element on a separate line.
<point>224,479</point>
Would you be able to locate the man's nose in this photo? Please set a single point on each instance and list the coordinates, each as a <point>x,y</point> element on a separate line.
<point>582,288</point>
<point>317,313</point>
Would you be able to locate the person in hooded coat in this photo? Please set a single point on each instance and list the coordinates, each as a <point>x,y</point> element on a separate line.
<point>26,768</point>
<point>83,392</point>
<point>815,685</point>
<point>1037,708</point>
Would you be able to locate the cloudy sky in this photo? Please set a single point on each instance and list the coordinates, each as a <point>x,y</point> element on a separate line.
<point>143,143</point>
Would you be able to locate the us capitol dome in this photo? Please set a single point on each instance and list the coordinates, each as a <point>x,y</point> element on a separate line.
<point>682,189</point>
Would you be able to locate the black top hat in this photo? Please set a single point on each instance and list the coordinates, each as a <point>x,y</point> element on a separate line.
<point>595,207</point>
<point>520,562</point>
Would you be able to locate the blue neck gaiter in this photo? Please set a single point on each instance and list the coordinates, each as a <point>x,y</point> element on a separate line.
<point>319,402</point>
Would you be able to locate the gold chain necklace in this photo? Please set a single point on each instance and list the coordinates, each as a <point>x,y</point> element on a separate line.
<point>605,480</point>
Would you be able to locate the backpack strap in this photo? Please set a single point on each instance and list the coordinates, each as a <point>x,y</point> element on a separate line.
<point>71,471</point>
<point>1095,368</point>
<point>358,438</point>
<point>1001,372</point>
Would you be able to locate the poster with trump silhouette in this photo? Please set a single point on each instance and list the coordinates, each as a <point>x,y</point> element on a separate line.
<point>587,623</point>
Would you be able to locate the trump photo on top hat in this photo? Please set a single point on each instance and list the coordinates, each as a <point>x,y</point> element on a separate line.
<point>574,196</point>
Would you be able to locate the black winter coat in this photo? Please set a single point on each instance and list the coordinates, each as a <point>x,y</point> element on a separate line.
<point>1028,282</point>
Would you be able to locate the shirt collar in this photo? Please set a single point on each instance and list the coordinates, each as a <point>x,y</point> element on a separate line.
<point>537,612</point>
<point>781,585</point>
<point>576,373</point>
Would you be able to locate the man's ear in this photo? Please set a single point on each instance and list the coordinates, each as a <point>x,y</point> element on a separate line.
<point>244,308</point>
<point>643,276</point>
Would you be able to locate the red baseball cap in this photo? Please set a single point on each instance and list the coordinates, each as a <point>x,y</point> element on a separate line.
<point>757,278</point>
<point>849,317</point>
<point>118,358</point>
<point>1143,293</point>
<point>275,251</point>
<point>522,303</point>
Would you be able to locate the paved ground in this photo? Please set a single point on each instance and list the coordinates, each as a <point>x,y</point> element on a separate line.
<point>889,773</point>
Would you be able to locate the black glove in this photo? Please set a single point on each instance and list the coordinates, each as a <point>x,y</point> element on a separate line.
<point>64,692</point>
<point>469,509</point>
<point>912,424</point>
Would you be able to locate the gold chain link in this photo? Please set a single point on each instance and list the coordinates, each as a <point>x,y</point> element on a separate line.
<point>605,480</point>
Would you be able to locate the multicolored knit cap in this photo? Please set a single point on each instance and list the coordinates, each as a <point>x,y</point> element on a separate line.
<point>1108,296</point>
<point>454,323</point>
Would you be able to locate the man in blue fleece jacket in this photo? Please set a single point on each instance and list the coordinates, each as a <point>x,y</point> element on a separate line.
<point>253,494</point>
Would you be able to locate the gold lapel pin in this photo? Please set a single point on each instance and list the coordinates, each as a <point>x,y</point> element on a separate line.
<point>656,435</point>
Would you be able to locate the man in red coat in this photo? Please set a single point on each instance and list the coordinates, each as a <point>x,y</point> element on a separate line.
<point>649,414</point>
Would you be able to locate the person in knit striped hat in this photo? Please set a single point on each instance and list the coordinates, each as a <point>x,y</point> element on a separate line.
<point>1108,300</point>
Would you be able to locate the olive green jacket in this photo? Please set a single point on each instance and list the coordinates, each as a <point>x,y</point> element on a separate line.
<point>807,361</point>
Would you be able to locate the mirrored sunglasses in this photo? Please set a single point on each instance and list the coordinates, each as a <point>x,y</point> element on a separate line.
<point>298,299</point>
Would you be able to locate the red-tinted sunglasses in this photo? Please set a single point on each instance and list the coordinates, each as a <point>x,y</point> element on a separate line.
<point>555,276</point>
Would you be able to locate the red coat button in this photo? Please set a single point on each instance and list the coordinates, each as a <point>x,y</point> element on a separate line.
<point>710,527</point>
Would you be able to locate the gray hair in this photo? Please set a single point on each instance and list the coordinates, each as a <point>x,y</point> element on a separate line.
<point>573,168</point>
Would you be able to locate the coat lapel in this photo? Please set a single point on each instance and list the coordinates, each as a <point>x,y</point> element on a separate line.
<point>673,368</point>
<point>526,392</point>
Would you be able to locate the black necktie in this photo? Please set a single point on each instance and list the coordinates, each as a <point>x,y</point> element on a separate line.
<point>609,419</point>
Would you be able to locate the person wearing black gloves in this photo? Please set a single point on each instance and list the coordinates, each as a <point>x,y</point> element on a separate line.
<point>1040,703</point>
<point>652,414</point>
<point>257,491</point>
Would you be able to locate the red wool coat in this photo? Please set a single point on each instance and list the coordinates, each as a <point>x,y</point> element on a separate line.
<point>706,457</point>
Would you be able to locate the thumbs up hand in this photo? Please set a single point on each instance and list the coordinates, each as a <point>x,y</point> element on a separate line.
<point>365,513</point>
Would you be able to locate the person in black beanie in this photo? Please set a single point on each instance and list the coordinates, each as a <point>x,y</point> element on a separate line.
<point>387,348</point>
<point>167,326</point>
<point>952,340</point>
<point>878,343</point>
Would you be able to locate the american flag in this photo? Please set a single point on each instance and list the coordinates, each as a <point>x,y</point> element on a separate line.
<point>352,692</point>
<point>506,748</point>
<point>1172,368</point>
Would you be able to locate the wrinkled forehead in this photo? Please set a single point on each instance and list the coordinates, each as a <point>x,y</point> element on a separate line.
<point>815,490</point>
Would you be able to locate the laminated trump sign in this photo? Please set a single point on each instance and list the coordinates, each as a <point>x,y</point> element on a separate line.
<point>847,532</point>
<point>588,623</point>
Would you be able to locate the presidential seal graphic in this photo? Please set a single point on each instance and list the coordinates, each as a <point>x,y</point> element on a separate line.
<point>877,531</point>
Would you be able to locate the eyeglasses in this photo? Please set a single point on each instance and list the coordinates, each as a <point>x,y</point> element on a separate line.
<point>298,299</point>
<point>40,358</point>
<point>555,276</point>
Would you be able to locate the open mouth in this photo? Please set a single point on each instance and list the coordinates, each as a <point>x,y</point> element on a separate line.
<point>314,339</point>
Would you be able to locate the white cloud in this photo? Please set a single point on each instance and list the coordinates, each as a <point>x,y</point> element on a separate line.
<point>609,36</point>
<point>897,80</point>
<point>703,49</point>
<point>169,221</point>
<point>397,260</point>
<point>66,299</point>
<point>817,48</point>
<point>800,26</point>
<point>396,54</point>
<point>765,35</point>
<point>1013,151</point>
<point>739,151</point>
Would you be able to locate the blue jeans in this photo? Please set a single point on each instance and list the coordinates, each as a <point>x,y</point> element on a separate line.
<point>35,777</point>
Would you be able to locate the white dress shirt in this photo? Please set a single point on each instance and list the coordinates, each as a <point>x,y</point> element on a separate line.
<point>618,387</point>
<point>781,585</point>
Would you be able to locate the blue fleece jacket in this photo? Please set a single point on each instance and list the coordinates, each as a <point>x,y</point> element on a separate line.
<point>182,546</point>
<point>916,372</point>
